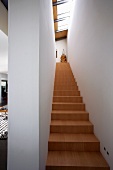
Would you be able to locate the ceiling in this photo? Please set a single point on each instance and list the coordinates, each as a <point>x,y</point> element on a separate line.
<point>61,15</point>
<point>5,2</point>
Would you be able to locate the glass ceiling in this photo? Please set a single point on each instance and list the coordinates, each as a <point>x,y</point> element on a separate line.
<point>63,14</point>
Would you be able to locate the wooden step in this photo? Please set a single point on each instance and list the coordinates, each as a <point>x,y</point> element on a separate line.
<point>63,76</point>
<point>70,160</point>
<point>64,87</point>
<point>66,93</point>
<point>65,84</point>
<point>65,79</point>
<point>68,75</point>
<point>60,126</point>
<point>68,106</point>
<point>73,142</point>
<point>69,115</point>
<point>70,99</point>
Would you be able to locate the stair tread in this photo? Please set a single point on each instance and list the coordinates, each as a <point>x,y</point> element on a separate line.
<point>65,137</point>
<point>70,122</point>
<point>66,90</point>
<point>65,85</point>
<point>68,99</point>
<point>67,103</point>
<point>79,159</point>
<point>69,96</point>
<point>68,111</point>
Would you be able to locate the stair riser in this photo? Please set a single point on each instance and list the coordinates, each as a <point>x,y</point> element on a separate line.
<point>68,99</point>
<point>64,78</point>
<point>71,129</point>
<point>69,80</point>
<point>65,84</point>
<point>67,69</point>
<point>66,93</point>
<point>76,107</point>
<point>68,75</point>
<point>74,146</point>
<point>65,81</point>
<point>66,88</point>
<point>75,168</point>
<point>70,116</point>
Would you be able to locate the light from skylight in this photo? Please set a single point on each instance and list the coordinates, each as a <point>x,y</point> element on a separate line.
<point>63,22</point>
<point>63,8</point>
<point>63,12</point>
<point>63,15</point>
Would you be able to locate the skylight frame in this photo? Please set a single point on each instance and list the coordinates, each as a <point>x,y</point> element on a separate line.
<point>63,12</point>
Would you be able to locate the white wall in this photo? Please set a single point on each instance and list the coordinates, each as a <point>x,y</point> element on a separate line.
<point>23,125</point>
<point>3,19</point>
<point>60,45</point>
<point>3,52</point>
<point>90,52</point>
<point>46,78</point>
<point>2,77</point>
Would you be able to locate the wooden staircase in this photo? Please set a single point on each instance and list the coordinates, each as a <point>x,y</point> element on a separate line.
<point>72,144</point>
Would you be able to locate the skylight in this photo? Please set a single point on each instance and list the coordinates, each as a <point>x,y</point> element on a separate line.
<point>63,14</point>
<point>63,25</point>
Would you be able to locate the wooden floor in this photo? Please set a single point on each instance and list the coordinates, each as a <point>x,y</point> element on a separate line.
<point>72,144</point>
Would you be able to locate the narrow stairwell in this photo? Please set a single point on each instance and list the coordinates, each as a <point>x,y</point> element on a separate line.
<point>72,144</point>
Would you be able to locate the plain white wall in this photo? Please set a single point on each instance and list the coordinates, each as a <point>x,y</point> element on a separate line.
<point>3,19</point>
<point>4,76</point>
<point>23,121</point>
<point>90,52</point>
<point>46,72</point>
<point>60,45</point>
